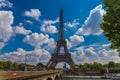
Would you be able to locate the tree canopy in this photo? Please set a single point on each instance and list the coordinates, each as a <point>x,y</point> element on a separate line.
<point>111,22</point>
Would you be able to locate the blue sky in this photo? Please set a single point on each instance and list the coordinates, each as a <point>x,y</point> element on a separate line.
<point>31,27</point>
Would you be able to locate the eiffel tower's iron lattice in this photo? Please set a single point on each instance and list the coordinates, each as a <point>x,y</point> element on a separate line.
<point>61,44</point>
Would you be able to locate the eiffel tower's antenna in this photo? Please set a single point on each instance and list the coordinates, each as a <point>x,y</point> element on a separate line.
<point>61,32</point>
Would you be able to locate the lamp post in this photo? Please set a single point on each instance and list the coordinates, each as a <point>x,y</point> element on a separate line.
<point>25,69</point>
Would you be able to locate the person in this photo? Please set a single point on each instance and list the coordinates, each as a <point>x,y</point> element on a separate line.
<point>65,67</point>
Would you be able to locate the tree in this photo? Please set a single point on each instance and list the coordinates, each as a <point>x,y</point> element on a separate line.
<point>7,65</point>
<point>40,66</point>
<point>111,64</point>
<point>111,23</point>
<point>14,66</point>
<point>1,65</point>
<point>21,66</point>
<point>97,66</point>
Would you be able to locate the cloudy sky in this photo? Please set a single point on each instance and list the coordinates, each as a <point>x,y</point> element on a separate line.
<point>31,27</point>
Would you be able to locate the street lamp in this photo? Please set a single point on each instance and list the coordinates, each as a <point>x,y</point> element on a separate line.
<point>25,69</point>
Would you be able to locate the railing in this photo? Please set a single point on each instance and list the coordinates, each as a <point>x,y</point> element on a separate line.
<point>7,75</point>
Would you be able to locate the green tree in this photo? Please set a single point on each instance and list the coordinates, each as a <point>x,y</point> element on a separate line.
<point>1,65</point>
<point>111,23</point>
<point>117,65</point>
<point>40,64</point>
<point>80,66</point>
<point>97,66</point>
<point>7,65</point>
<point>21,66</point>
<point>111,64</point>
<point>105,65</point>
<point>14,66</point>
<point>87,66</point>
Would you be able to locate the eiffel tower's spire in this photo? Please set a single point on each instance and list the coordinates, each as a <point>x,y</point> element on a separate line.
<point>61,30</point>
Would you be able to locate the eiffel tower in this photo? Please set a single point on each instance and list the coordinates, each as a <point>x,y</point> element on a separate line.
<point>61,44</point>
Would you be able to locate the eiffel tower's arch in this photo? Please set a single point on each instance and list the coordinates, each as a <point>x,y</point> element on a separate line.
<point>62,64</point>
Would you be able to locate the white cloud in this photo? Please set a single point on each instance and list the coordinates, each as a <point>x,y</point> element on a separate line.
<point>28,21</point>
<point>50,45</point>
<point>107,53</point>
<point>69,44</point>
<point>80,56</point>
<point>106,45</point>
<point>34,13</point>
<point>90,51</point>
<point>2,45</point>
<point>5,3</point>
<point>33,57</point>
<point>89,55</point>
<point>103,53</point>
<point>6,20</point>
<point>48,29</point>
<point>38,40</point>
<point>105,56</point>
<point>21,30</point>
<point>51,21</point>
<point>75,40</point>
<point>84,55</point>
<point>72,24</point>
<point>92,23</point>
<point>48,26</point>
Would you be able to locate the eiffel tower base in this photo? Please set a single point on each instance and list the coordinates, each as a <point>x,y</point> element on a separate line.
<point>57,58</point>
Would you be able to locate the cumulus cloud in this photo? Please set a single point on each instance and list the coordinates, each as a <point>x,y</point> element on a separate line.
<point>28,21</point>
<point>50,45</point>
<point>48,29</point>
<point>5,3</point>
<point>79,56</point>
<point>51,21</point>
<point>48,26</point>
<point>34,13</point>
<point>84,55</point>
<point>33,57</point>
<point>107,53</point>
<point>92,23</point>
<point>106,45</point>
<point>90,55</point>
<point>75,40</point>
<point>69,44</point>
<point>105,56</point>
<point>6,20</point>
<point>2,44</point>
<point>21,30</point>
<point>72,24</point>
<point>103,53</point>
<point>37,40</point>
<point>90,51</point>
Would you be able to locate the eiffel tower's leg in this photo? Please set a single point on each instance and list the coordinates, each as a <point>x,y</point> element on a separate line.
<point>52,65</point>
<point>65,48</point>
<point>49,63</point>
<point>69,61</point>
